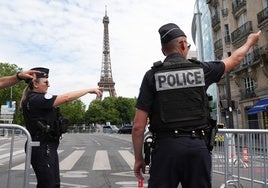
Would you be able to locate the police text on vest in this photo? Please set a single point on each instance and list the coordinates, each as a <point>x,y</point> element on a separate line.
<point>179,79</point>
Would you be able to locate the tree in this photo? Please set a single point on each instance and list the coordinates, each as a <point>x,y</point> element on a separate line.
<point>74,111</point>
<point>117,110</point>
<point>12,93</point>
<point>126,109</point>
<point>95,112</point>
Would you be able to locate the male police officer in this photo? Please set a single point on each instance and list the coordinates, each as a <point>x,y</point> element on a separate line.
<point>173,96</point>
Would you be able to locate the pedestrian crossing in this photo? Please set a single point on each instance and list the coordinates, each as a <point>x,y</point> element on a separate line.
<point>101,159</point>
<point>71,160</point>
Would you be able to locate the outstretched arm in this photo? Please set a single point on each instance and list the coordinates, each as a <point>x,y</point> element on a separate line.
<point>238,55</point>
<point>8,81</point>
<point>73,95</point>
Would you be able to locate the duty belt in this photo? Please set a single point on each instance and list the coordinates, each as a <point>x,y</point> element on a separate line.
<point>200,133</point>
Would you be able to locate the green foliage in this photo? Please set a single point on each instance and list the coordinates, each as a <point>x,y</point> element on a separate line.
<point>95,112</point>
<point>12,93</point>
<point>74,111</point>
<point>117,110</point>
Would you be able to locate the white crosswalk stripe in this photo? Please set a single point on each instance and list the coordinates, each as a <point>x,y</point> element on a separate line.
<point>69,162</point>
<point>128,157</point>
<point>22,165</point>
<point>101,159</point>
<point>8,154</point>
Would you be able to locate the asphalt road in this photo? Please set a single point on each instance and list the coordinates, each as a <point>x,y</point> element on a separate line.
<point>86,160</point>
<point>94,160</point>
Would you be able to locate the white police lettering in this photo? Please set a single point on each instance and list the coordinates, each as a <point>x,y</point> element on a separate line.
<point>179,79</point>
<point>48,96</point>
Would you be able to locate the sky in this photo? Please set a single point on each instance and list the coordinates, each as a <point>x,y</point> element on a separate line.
<point>66,36</point>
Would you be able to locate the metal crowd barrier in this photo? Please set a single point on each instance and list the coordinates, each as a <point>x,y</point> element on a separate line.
<point>28,148</point>
<point>241,156</point>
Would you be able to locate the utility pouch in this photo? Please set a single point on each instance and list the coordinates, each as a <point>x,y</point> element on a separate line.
<point>212,134</point>
<point>62,122</point>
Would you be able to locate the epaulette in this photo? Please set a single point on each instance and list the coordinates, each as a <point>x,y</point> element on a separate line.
<point>194,61</point>
<point>157,64</point>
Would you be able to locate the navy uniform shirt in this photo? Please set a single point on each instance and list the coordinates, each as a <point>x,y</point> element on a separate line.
<point>40,103</point>
<point>37,105</point>
<point>213,71</point>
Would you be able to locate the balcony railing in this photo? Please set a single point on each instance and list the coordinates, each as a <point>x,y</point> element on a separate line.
<point>262,16</point>
<point>237,4</point>
<point>218,45</point>
<point>242,32</point>
<point>248,93</point>
<point>215,20</point>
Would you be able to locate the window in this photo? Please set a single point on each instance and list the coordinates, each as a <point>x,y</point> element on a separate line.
<point>249,85</point>
<point>227,33</point>
<point>224,4</point>
<point>247,60</point>
<point>242,19</point>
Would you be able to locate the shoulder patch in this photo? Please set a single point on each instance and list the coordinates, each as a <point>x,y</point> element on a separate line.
<point>48,96</point>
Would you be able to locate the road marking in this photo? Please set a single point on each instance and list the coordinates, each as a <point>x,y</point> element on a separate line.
<point>126,174</point>
<point>69,162</point>
<point>129,184</point>
<point>101,161</point>
<point>128,157</point>
<point>14,153</point>
<point>75,174</point>
<point>65,185</point>
<point>96,141</point>
<point>22,165</point>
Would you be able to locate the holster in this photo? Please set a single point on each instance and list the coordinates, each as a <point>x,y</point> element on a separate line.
<point>147,148</point>
<point>210,139</point>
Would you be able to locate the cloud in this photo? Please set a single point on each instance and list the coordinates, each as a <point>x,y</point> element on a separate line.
<point>67,37</point>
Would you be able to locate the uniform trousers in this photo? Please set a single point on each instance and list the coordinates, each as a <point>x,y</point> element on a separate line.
<point>45,164</point>
<point>180,160</point>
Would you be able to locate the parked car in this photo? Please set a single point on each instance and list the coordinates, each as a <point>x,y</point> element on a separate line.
<point>126,129</point>
<point>110,129</point>
<point>115,128</point>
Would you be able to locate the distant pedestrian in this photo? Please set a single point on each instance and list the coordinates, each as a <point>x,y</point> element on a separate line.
<point>173,96</point>
<point>42,121</point>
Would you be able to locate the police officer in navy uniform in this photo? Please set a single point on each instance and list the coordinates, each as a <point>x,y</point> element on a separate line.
<point>173,96</point>
<point>38,108</point>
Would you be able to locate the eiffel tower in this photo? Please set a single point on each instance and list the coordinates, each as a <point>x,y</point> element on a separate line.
<point>106,78</point>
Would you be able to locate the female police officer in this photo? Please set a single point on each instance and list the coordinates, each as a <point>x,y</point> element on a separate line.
<point>172,95</point>
<point>41,120</point>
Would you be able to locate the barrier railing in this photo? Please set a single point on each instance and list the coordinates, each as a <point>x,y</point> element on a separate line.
<point>241,156</point>
<point>28,149</point>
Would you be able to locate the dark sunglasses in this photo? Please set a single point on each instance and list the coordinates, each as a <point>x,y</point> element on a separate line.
<point>188,44</point>
<point>46,82</point>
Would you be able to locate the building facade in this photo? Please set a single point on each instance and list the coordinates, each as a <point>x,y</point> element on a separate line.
<point>247,85</point>
<point>203,39</point>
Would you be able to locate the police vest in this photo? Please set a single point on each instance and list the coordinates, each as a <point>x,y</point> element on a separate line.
<point>47,128</point>
<point>181,99</point>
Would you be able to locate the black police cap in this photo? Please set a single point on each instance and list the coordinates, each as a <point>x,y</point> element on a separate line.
<point>43,72</point>
<point>170,31</point>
